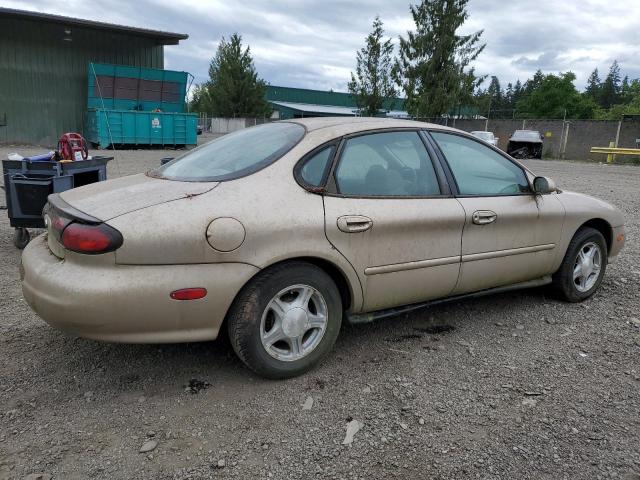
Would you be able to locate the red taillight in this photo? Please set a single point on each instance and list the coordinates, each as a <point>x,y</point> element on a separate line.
<point>91,239</point>
<point>55,223</point>
<point>188,293</point>
<point>58,224</point>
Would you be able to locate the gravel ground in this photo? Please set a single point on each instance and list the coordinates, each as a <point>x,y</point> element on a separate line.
<point>518,385</point>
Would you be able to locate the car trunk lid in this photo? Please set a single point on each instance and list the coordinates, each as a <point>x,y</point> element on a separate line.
<point>110,199</point>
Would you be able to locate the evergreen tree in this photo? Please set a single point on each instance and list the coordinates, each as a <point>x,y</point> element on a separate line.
<point>517,92</point>
<point>494,91</point>
<point>611,86</point>
<point>533,83</point>
<point>594,86</point>
<point>234,89</point>
<point>372,83</point>
<point>625,90</point>
<point>469,85</point>
<point>431,65</point>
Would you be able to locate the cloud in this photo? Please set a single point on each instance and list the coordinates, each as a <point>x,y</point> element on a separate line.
<point>312,44</point>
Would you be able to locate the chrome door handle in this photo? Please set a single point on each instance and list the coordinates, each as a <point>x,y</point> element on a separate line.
<point>354,223</point>
<point>483,217</point>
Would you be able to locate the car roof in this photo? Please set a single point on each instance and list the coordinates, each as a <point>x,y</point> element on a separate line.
<point>346,125</point>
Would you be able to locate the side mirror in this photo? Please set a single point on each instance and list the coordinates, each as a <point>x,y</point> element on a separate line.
<point>165,160</point>
<point>544,185</point>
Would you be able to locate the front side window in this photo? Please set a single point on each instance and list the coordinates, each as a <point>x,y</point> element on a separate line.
<point>234,155</point>
<point>386,164</point>
<point>478,169</point>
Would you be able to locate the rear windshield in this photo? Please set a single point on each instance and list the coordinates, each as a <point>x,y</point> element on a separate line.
<point>234,155</point>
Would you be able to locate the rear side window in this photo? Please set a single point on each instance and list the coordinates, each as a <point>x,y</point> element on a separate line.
<point>386,164</point>
<point>314,169</point>
<point>234,155</point>
<point>478,169</point>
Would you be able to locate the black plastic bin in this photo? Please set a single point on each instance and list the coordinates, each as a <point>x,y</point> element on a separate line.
<point>28,184</point>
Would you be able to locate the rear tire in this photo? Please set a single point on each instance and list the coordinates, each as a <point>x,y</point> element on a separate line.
<point>21,237</point>
<point>285,320</point>
<point>583,267</point>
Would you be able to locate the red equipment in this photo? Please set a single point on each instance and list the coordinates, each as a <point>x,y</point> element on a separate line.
<point>72,146</point>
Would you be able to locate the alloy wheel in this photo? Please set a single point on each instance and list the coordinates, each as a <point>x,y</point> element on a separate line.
<point>587,266</point>
<point>293,323</point>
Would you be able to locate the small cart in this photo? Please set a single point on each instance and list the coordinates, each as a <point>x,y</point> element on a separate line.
<point>28,184</point>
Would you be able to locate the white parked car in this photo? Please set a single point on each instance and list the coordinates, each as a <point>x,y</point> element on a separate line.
<point>486,136</point>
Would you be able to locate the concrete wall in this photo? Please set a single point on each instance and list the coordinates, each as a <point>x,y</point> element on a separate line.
<point>581,135</point>
<point>228,125</point>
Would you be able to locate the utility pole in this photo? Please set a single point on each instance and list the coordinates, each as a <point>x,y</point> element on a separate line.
<point>486,123</point>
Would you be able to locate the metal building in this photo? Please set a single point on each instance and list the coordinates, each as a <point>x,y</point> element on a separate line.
<point>288,102</point>
<point>43,69</point>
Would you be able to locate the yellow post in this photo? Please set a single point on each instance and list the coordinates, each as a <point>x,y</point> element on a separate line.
<point>610,155</point>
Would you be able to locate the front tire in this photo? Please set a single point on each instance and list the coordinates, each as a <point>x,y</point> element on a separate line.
<point>583,267</point>
<point>285,320</point>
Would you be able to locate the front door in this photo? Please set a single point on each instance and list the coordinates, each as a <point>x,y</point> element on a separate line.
<point>388,216</point>
<point>510,235</point>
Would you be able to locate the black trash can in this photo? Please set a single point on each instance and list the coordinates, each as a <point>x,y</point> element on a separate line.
<point>28,184</point>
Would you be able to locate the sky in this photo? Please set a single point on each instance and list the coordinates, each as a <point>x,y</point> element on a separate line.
<point>313,43</point>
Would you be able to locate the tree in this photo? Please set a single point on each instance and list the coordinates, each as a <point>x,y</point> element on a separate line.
<point>629,102</point>
<point>611,86</point>
<point>555,96</point>
<point>200,99</point>
<point>233,89</point>
<point>496,98</point>
<point>594,86</point>
<point>533,83</point>
<point>431,65</point>
<point>469,85</point>
<point>372,84</point>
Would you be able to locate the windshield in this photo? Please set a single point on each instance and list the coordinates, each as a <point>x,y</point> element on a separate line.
<point>234,155</point>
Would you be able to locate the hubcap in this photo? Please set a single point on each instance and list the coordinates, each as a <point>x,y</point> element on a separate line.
<point>586,269</point>
<point>293,323</point>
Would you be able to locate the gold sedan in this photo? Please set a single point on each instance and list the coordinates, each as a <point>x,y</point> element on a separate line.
<point>280,231</point>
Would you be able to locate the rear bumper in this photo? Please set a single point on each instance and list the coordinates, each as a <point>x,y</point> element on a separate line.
<point>95,298</point>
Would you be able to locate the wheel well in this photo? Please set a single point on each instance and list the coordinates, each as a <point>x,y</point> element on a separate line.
<point>603,227</point>
<point>330,269</point>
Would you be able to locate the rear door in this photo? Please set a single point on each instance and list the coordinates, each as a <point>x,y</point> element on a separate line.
<point>388,210</point>
<point>510,235</point>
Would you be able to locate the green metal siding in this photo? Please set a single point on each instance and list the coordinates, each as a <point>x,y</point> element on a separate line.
<point>43,78</point>
<point>319,97</point>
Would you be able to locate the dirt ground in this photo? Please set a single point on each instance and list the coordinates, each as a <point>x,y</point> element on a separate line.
<point>518,385</point>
